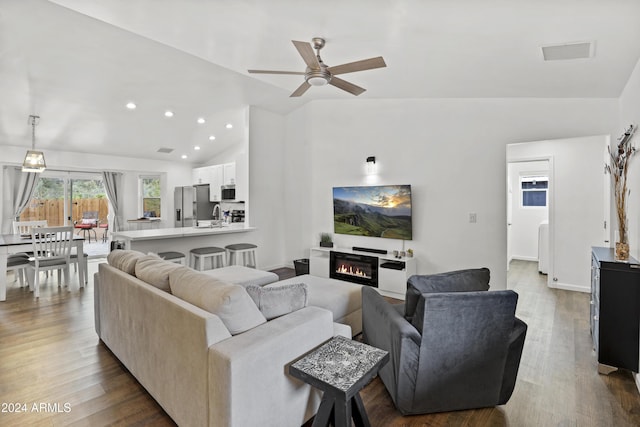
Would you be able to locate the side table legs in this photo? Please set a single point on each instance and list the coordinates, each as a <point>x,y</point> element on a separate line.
<point>337,411</point>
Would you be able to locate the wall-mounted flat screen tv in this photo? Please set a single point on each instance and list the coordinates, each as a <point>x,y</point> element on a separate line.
<point>376,211</point>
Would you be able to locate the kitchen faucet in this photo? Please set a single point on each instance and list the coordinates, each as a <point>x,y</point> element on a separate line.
<point>216,208</point>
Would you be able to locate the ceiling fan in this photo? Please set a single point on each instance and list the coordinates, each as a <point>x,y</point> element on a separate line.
<point>319,74</point>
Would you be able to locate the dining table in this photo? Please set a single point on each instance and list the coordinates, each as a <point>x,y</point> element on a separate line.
<point>16,243</point>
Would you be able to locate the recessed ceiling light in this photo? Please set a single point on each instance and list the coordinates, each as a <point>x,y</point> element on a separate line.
<point>212,138</point>
<point>201,120</point>
<point>131,105</point>
<point>197,147</point>
<point>229,126</point>
<point>168,113</point>
<point>184,156</point>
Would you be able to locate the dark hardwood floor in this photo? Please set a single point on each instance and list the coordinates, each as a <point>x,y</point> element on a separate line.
<point>56,373</point>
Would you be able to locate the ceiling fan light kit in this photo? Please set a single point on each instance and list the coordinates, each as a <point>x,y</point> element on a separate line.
<point>318,73</point>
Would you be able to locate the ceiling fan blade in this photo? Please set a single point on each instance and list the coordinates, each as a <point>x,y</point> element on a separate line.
<point>346,86</point>
<point>365,64</point>
<point>301,89</point>
<point>275,72</point>
<point>306,51</point>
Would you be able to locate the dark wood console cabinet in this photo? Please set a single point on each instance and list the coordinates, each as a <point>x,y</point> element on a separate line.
<point>615,311</point>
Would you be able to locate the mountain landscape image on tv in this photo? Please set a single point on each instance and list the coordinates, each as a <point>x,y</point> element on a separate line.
<point>375,211</point>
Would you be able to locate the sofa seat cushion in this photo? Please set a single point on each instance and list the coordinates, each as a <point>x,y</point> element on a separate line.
<point>343,299</point>
<point>155,271</point>
<point>276,301</point>
<point>124,260</point>
<point>231,303</point>
<point>244,276</point>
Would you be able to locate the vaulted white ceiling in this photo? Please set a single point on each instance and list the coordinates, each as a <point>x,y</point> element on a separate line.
<point>76,63</point>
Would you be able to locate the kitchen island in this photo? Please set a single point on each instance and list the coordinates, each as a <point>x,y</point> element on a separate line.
<point>183,239</point>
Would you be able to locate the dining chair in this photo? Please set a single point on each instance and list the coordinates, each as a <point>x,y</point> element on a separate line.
<point>22,228</point>
<point>18,263</point>
<point>51,251</point>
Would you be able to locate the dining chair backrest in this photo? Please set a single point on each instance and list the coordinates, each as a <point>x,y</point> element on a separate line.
<point>24,227</point>
<point>52,243</point>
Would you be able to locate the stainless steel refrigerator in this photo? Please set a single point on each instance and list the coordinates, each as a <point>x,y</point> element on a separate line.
<point>191,203</point>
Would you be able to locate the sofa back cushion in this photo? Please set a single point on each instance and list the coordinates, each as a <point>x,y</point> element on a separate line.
<point>231,303</point>
<point>155,271</point>
<point>469,280</point>
<point>124,260</point>
<point>277,301</point>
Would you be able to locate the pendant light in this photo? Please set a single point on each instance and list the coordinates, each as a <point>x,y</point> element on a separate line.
<point>34,160</point>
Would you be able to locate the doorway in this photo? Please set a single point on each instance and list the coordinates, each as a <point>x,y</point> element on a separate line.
<point>528,201</point>
<point>71,198</point>
<point>577,194</point>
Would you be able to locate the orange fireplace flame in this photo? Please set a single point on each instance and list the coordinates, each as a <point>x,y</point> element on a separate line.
<point>351,271</point>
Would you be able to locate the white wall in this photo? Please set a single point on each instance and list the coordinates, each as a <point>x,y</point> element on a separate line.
<point>577,205</point>
<point>266,198</point>
<point>452,152</point>
<point>525,220</point>
<point>630,114</point>
<point>172,175</point>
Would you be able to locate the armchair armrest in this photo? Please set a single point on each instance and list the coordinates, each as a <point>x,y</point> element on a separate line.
<point>384,326</point>
<point>516,344</point>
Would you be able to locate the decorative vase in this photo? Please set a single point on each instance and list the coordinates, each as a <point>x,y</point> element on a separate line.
<point>622,251</point>
<point>326,244</point>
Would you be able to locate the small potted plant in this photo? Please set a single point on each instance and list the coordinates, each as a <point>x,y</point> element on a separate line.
<point>326,240</point>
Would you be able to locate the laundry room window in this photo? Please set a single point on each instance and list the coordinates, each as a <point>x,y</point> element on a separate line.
<point>535,191</point>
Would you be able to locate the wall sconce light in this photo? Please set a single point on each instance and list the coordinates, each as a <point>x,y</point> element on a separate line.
<point>34,160</point>
<point>371,165</point>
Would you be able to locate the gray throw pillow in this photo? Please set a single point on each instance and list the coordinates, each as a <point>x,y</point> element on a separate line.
<point>470,280</point>
<point>276,301</point>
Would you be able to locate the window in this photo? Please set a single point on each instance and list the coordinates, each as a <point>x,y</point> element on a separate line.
<point>150,191</point>
<point>534,191</point>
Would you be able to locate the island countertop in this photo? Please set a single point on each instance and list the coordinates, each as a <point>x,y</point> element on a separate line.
<point>172,233</point>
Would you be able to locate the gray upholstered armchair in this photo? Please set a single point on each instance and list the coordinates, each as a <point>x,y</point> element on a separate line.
<point>452,344</point>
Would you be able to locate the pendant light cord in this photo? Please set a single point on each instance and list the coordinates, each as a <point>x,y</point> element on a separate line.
<point>34,122</point>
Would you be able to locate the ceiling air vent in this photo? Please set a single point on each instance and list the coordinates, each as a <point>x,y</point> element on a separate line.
<point>165,150</point>
<point>580,50</point>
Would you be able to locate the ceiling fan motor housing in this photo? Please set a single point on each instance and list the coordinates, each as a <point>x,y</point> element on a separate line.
<point>319,77</point>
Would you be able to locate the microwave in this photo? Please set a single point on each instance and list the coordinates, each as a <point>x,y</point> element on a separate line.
<point>228,192</point>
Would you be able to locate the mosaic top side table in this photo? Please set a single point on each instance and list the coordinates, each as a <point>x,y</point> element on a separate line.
<point>340,368</point>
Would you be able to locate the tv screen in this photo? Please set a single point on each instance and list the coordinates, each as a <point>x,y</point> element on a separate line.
<point>376,211</point>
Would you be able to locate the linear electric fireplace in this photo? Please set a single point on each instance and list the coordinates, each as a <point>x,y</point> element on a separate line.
<point>354,268</point>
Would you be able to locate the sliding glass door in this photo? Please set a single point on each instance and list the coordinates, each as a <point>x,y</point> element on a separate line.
<point>67,198</point>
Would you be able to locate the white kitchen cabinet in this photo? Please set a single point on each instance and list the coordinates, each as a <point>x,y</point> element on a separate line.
<point>200,176</point>
<point>216,175</point>
<point>229,173</point>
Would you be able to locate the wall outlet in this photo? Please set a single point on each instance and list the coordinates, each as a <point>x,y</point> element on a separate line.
<point>473,217</point>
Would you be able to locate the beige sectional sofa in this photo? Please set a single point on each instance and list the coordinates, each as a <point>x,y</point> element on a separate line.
<point>206,369</point>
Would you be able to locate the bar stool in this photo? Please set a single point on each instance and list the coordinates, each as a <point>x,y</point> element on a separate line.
<point>172,256</point>
<point>244,249</point>
<point>200,255</point>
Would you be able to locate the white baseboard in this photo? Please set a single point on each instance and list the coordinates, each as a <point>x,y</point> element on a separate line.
<point>636,377</point>
<point>524,258</point>
<point>569,287</point>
